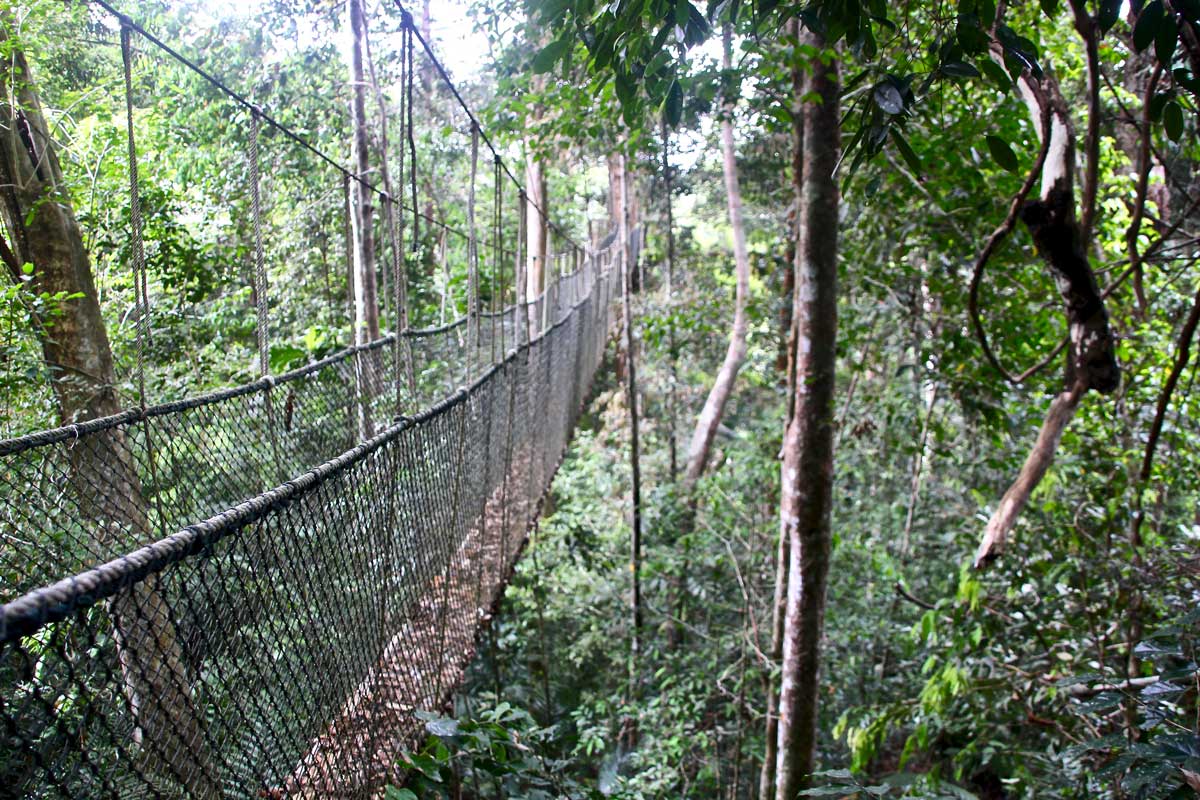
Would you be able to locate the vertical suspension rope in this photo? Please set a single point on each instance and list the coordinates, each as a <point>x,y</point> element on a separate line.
<point>473,330</point>
<point>407,34</point>
<point>140,289</point>
<point>262,309</point>
<point>497,259</point>
<point>519,274</point>
<point>260,271</point>
<point>141,294</point>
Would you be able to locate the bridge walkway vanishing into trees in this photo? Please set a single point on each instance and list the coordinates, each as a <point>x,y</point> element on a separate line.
<point>254,592</point>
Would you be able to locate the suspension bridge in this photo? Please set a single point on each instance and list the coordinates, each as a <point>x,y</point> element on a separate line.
<point>254,592</point>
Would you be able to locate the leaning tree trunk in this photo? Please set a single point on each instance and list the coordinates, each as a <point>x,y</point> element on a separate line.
<point>41,230</point>
<point>735,355</point>
<point>807,475</point>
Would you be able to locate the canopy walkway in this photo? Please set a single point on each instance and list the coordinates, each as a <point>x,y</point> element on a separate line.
<point>251,593</point>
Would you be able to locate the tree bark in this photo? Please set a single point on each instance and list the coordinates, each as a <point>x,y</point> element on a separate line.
<point>766,780</point>
<point>669,291</point>
<point>366,301</point>
<point>635,564</point>
<point>735,355</point>
<point>41,229</point>
<point>537,230</point>
<point>807,475</point>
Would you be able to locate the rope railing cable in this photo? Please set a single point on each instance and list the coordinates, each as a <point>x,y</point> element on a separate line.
<point>249,105</point>
<point>407,22</point>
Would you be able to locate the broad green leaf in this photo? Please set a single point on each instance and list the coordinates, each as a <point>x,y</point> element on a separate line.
<point>960,69</point>
<point>888,98</point>
<point>1173,120</point>
<point>549,55</point>
<point>906,152</point>
<point>1002,154</point>
<point>673,106</point>
<point>996,74</point>
<point>1165,39</point>
<point>1146,27</point>
<point>1110,12</point>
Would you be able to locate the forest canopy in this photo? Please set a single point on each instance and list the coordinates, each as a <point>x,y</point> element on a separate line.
<point>888,484</point>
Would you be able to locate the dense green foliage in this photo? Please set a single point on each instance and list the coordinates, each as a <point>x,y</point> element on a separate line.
<point>939,681</point>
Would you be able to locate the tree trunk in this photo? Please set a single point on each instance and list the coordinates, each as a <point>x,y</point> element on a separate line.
<point>807,479</point>
<point>635,564</point>
<point>669,291</point>
<point>537,232</point>
<point>718,396</point>
<point>366,302</point>
<point>41,230</point>
<point>766,781</point>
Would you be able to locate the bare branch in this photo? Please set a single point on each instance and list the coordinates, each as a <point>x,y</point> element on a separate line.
<point>995,536</point>
<point>1182,354</point>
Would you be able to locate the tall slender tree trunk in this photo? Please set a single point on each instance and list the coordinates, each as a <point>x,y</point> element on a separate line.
<point>366,301</point>
<point>807,479</point>
<point>766,781</point>
<point>635,562</point>
<point>537,226</point>
<point>40,229</point>
<point>669,291</point>
<point>714,407</point>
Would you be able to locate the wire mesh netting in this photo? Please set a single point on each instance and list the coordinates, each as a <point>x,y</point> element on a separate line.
<point>264,584</point>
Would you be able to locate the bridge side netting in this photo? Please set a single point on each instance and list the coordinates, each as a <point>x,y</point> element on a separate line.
<point>280,647</point>
<point>77,496</point>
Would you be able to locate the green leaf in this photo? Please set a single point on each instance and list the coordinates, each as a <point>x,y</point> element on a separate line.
<point>960,69</point>
<point>1157,104</point>
<point>996,74</point>
<point>906,152</point>
<point>1146,27</point>
<point>392,793</point>
<point>888,98</point>
<point>626,88</point>
<point>27,268</point>
<point>1173,120</point>
<point>1049,7</point>
<point>673,105</point>
<point>549,55</point>
<point>1002,154</point>
<point>285,356</point>
<point>1110,12</point>
<point>1165,39</point>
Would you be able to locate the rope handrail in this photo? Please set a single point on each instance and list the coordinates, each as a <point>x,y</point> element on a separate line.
<point>63,433</point>
<point>306,550</point>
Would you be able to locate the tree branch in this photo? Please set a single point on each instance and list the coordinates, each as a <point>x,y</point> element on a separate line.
<point>1182,354</point>
<point>1139,204</point>
<point>994,241</point>
<point>995,536</point>
<point>1088,31</point>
